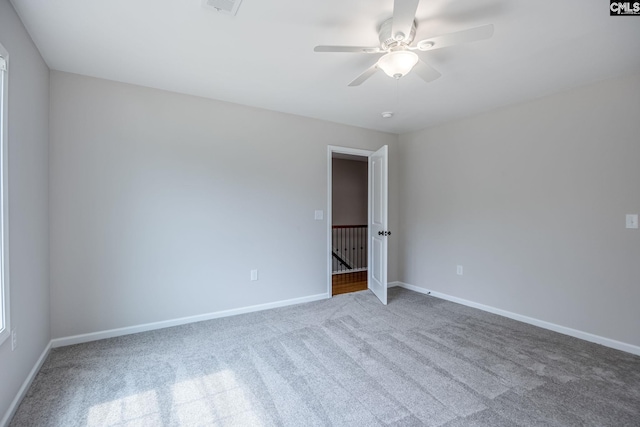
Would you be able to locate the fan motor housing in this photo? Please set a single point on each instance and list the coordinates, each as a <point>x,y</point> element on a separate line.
<point>387,41</point>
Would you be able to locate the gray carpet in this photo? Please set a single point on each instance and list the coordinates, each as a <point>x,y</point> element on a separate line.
<point>344,361</point>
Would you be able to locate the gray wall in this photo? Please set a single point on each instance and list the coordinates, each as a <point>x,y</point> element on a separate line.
<point>28,197</point>
<point>161,204</point>
<point>531,200</point>
<point>350,192</point>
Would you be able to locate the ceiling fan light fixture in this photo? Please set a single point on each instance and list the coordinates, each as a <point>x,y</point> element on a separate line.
<point>398,63</point>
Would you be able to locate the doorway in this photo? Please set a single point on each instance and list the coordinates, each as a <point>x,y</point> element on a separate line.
<point>349,205</point>
<point>376,232</point>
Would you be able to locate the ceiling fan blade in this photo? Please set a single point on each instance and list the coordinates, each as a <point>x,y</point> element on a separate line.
<point>356,49</point>
<point>364,76</point>
<point>404,13</point>
<point>459,37</point>
<point>426,72</point>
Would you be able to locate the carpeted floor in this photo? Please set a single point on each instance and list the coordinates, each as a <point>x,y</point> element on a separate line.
<point>344,361</point>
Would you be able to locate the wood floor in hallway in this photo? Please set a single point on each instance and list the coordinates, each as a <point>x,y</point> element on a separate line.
<point>349,282</point>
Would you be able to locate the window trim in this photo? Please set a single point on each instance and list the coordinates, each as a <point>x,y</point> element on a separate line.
<point>5,306</point>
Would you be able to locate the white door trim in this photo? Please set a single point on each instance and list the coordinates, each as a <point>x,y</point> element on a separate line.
<point>342,150</point>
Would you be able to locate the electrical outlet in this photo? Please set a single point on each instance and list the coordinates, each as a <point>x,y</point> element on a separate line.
<point>14,339</point>
<point>254,275</point>
<point>459,270</point>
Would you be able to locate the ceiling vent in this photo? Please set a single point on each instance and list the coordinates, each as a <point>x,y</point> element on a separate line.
<point>228,7</point>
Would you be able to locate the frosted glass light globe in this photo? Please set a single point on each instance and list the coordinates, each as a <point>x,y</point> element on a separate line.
<point>398,63</point>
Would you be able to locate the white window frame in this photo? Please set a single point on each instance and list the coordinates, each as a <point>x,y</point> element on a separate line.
<point>5,317</point>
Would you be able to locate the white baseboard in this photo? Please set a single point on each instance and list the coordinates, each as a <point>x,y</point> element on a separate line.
<point>618,345</point>
<point>111,333</point>
<point>25,386</point>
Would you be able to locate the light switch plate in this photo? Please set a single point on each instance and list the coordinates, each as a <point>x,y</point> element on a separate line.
<point>319,215</point>
<point>632,220</point>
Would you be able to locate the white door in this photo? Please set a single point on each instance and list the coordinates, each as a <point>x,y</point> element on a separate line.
<point>378,207</point>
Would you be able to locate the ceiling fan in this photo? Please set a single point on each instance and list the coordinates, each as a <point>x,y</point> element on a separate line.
<point>396,35</point>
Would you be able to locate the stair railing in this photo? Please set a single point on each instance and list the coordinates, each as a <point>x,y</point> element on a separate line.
<point>349,247</point>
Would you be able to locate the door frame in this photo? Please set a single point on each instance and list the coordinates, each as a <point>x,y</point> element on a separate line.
<point>342,150</point>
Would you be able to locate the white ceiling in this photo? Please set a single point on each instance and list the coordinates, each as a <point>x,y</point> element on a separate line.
<point>263,56</point>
